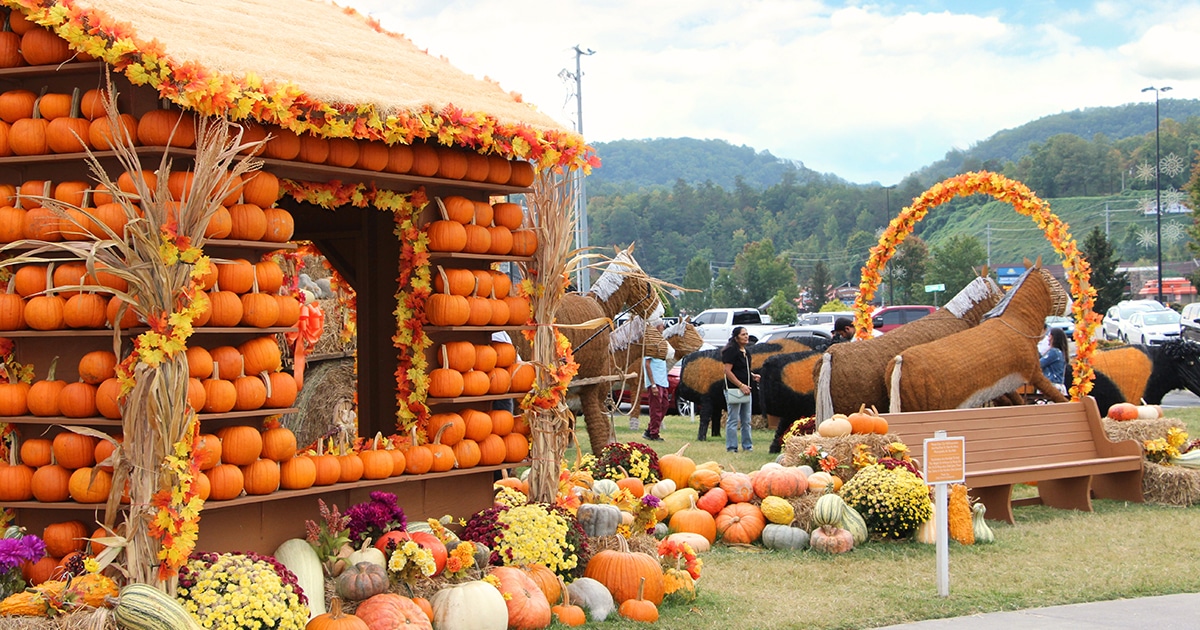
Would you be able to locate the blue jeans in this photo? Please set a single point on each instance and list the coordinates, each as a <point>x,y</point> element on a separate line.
<point>739,414</point>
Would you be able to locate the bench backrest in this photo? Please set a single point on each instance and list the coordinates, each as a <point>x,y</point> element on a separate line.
<point>1009,437</point>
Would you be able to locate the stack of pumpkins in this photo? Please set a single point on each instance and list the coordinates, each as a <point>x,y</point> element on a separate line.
<point>481,438</point>
<point>474,297</point>
<point>702,503</point>
<point>239,378</point>
<point>68,467</point>
<point>241,459</point>
<point>52,397</point>
<point>64,540</point>
<point>478,369</point>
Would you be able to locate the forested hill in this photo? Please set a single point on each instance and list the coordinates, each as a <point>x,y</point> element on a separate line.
<point>633,164</point>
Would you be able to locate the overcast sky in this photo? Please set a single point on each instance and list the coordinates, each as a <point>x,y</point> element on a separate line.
<point>867,91</point>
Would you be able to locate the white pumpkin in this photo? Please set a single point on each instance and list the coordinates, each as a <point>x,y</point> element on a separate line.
<point>663,488</point>
<point>367,554</point>
<point>1149,412</point>
<point>836,426</point>
<point>302,560</point>
<point>592,596</point>
<point>474,605</point>
<point>698,542</point>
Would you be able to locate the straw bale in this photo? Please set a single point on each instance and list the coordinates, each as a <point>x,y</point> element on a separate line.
<point>840,447</point>
<point>331,334</point>
<point>86,618</point>
<point>644,543</point>
<point>803,506</point>
<point>1170,485</point>
<point>329,53</point>
<point>1140,430</point>
<point>325,385</point>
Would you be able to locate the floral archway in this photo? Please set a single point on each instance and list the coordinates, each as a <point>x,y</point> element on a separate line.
<point>1024,201</point>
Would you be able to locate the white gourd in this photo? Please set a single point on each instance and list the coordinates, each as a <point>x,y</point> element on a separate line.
<point>301,559</point>
<point>593,597</point>
<point>367,554</point>
<point>474,605</point>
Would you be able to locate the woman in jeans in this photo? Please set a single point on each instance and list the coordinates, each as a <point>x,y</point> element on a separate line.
<point>738,376</point>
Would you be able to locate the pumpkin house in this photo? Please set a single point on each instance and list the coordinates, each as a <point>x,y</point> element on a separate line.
<point>374,154</point>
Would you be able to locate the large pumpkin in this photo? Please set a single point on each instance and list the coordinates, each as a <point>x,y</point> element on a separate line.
<point>695,520</point>
<point>780,482</point>
<point>620,570</point>
<point>387,611</point>
<point>677,467</point>
<point>475,604</point>
<point>740,523</point>
<point>527,605</point>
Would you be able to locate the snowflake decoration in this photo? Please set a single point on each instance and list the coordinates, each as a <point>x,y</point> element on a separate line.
<point>1146,204</point>
<point>1172,231</point>
<point>1147,238</point>
<point>1171,165</point>
<point>1146,171</point>
<point>1172,198</point>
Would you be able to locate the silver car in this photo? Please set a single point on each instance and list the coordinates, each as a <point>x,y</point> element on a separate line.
<point>1116,320</point>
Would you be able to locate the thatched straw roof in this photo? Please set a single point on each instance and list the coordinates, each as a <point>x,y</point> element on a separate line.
<point>308,65</point>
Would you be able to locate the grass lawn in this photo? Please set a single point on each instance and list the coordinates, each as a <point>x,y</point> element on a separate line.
<point>1048,557</point>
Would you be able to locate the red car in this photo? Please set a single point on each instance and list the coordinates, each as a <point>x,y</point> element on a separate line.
<point>890,317</point>
<point>626,395</point>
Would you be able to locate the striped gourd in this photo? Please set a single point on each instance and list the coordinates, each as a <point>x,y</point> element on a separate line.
<point>828,510</point>
<point>143,607</point>
<point>853,522</point>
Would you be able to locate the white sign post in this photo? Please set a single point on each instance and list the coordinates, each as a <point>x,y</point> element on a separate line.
<point>945,463</point>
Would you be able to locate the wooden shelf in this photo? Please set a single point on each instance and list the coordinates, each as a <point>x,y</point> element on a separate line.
<point>447,329</point>
<point>488,257</point>
<point>77,67</point>
<point>471,399</point>
<point>278,495</point>
<point>116,422</point>
<point>133,332</point>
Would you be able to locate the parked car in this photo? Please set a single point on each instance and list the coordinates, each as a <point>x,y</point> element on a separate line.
<point>792,332</point>
<point>891,317</point>
<point>1065,324</point>
<point>823,319</point>
<point>1152,327</point>
<point>716,324</point>
<point>1189,322</point>
<point>625,396</point>
<point>1115,320</point>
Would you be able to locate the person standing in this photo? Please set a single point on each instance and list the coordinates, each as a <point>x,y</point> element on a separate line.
<point>1054,360</point>
<point>654,370</point>
<point>843,329</point>
<point>738,376</point>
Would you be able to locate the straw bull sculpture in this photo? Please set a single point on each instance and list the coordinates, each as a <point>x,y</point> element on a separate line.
<point>622,285</point>
<point>974,366</point>
<point>635,340</point>
<point>1144,374</point>
<point>702,380</point>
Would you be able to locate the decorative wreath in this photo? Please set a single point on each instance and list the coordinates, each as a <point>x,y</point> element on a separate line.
<point>1024,201</point>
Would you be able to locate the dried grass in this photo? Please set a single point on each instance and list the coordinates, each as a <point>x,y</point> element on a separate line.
<point>840,447</point>
<point>326,384</point>
<point>1170,485</point>
<point>86,618</point>
<point>1140,430</point>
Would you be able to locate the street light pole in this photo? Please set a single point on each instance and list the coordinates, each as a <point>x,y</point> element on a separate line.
<point>581,239</point>
<point>1158,187</point>
<point>887,213</point>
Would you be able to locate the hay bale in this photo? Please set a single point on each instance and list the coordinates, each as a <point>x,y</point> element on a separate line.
<point>331,334</point>
<point>326,384</point>
<point>803,506</point>
<point>1140,430</point>
<point>840,447</point>
<point>86,618</point>
<point>1170,485</point>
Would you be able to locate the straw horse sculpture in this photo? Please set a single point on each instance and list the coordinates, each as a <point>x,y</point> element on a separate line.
<point>629,344</point>
<point>622,285</point>
<point>1144,374</point>
<point>851,374</point>
<point>974,366</point>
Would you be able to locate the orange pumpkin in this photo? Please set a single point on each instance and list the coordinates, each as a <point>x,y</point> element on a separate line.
<point>527,604</point>
<point>621,570</point>
<point>695,520</point>
<point>780,482</point>
<point>90,485</point>
<point>261,476</point>
<point>740,523</point>
<point>226,481</point>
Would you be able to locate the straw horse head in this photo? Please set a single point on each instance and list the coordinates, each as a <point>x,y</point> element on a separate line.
<point>851,374</point>
<point>623,285</point>
<point>971,367</point>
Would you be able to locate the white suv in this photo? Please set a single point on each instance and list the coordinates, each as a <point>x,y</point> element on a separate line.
<point>1189,323</point>
<point>1116,321</point>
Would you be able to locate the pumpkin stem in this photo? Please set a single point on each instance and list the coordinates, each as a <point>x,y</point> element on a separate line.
<point>641,588</point>
<point>266,379</point>
<point>681,449</point>
<point>442,209</point>
<point>76,98</point>
<point>566,595</point>
<point>50,372</point>
<point>437,437</point>
<point>335,608</point>
<point>49,277</point>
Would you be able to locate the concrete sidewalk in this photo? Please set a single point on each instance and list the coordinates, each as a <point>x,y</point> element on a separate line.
<point>1166,612</point>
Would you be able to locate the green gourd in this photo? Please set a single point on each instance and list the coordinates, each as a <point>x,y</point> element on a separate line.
<point>781,537</point>
<point>143,607</point>
<point>983,532</point>
<point>829,510</point>
<point>853,522</point>
<point>605,487</point>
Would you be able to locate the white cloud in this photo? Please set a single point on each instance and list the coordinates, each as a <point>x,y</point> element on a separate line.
<point>854,90</point>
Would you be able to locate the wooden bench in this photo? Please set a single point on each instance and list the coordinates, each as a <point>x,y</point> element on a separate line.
<point>1062,447</point>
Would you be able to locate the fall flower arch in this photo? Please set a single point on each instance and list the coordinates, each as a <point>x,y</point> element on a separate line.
<point>1024,201</point>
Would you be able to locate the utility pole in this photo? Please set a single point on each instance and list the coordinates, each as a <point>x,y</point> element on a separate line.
<point>581,236</point>
<point>1157,187</point>
<point>1105,219</point>
<point>989,244</point>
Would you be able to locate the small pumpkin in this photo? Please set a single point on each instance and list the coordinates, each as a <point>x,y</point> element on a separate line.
<point>638,609</point>
<point>335,619</point>
<point>695,520</point>
<point>740,523</point>
<point>567,613</point>
<point>598,519</point>
<point>593,597</point>
<point>831,539</point>
<point>361,581</point>
<point>835,426</point>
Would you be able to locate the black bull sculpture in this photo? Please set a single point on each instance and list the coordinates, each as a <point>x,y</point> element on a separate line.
<point>702,378</point>
<point>1144,373</point>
